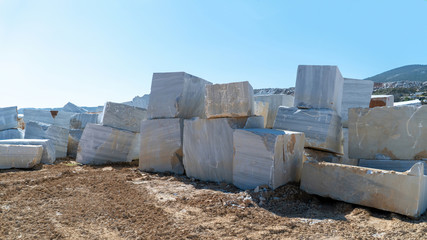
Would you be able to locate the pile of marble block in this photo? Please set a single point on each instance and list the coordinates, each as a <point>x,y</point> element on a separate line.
<point>9,124</point>
<point>267,106</point>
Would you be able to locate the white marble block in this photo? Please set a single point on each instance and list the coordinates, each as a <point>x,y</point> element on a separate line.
<point>229,100</point>
<point>20,156</point>
<point>135,148</point>
<point>176,95</point>
<point>11,134</point>
<point>356,94</point>
<point>319,87</point>
<point>274,101</point>
<point>48,155</point>
<point>208,148</point>
<point>415,102</point>
<point>73,142</point>
<point>80,120</point>
<point>161,145</point>
<point>61,119</point>
<point>322,127</point>
<point>393,132</point>
<point>58,135</point>
<point>261,109</point>
<point>71,107</point>
<point>403,193</point>
<point>381,101</point>
<point>122,116</point>
<point>391,165</point>
<point>8,118</point>
<point>254,122</point>
<point>103,145</point>
<point>266,157</point>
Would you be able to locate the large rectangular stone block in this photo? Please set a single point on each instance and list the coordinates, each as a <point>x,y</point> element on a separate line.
<point>122,116</point>
<point>229,100</point>
<point>57,118</point>
<point>102,145</point>
<point>208,148</point>
<point>274,102</point>
<point>177,95</point>
<point>73,142</point>
<point>80,120</point>
<point>58,135</point>
<point>381,101</point>
<point>11,134</point>
<point>319,87</point>
<point>8,118</point>
<point>356,94</point>
<point>391,165</point>
<point>19,156</point>
<point>266,157</point>
<point>48,155</point>
<point>390,132</point>
<point>261,109</point>
<point>161,145</point>
<point>403,193</point>
<point>322,127</point>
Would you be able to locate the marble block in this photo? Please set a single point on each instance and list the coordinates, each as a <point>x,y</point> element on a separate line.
<point>261,109</point>
<point>393,132</point>
<point>8,118</point>
<point>48,155</point>
<point>322,156</point>
<point>73,142</point>
<point>403,193</point>
<point>135,148</point>
<point>19,156</point>
<point>80,120</point>
<point>229,100</point>
<point>70,107</point>
<point>103,145</point>
<point>319,87</point>
<point>254,122</point>
<point>11,134</point>
<point>122,116</point>
<point>58,135</point>
<point>208,148</point>
<point>61,119</point>
<point>161,145</point>
<point>141,102</point>
<point>356,94</point>
<point>176,95</point>
<point>391,165</point>
<point>322,127</point>
<point>415,102</point>
<point>274,101</point>
<point>266,157</point>
<point>381,101</point>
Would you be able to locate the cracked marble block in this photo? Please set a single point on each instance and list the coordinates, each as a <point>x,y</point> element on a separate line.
<point>8,118</point>
<point>122,116</point>
<point>58,135</point>
<point>48,155</point>
<point>274,101</point>
<point>400,192</point>
<point>322,127</point>
<point>103,145</point>
<point>381,101</point>
<point>11,134</point>
<point>229,100</point>
<point>19,156</point>
<point>71,107</point>
<point>208,148</point>
<point>356,94</point>
<point>319,87</point>
<point>266,157</point>
<point>388,133</point>
<point>176,95</point>
<point>161,145</point>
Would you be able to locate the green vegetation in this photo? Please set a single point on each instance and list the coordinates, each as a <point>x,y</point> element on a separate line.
<point>416,73</point>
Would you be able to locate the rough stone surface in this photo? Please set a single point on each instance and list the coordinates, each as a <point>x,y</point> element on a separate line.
<point>319,87</point>
<point>229,100</point>
<point>208,148</point>
<point>177,95</point>
<point>261,109</point>
<point>48,155</point>
<point>403,193</point>
<point>73,142</point>
<point>70,107</point>
<point>394,132</point>
<point>161,145</point>
<point>274,102</point>
<point>322,127</point>
<point>266,157</point>
<point>19,156</point>
<point>381,101</point>
<point>11,134</point>
<point>391,165</point>
<point>58,135</point>
<point>122,116</point>
<point>102,145</point>
<point>8,118</point>
<point>80,120</point>
<point>356,94</point>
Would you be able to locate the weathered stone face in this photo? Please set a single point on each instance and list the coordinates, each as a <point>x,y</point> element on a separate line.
<point>394,132</point>
<point>20,156</point>
<point>176,95</point>
<point>8,118</point>
<point>122,116</point>
<point>266,157</point>
<point>403,193</point>
<point>356,94</point>
<point>161,145</point>
<point>48,155</point>
<point>319,87</point>
<point>58,135</point>
<point>274,102</point>
<point>381,101</point>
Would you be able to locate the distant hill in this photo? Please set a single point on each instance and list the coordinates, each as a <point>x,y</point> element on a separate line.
<point>414,73</point>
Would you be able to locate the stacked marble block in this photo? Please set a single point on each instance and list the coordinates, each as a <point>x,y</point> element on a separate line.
<point>267,106</point>
<point>9,124</point>
<point>116,137</point>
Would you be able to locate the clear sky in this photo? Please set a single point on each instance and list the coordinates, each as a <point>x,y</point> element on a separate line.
<point>89,52</point>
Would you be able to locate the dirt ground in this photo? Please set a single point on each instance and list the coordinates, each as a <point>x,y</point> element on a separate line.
<point>68,201</point>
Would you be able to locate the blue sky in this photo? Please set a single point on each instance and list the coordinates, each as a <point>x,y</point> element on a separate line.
<point>90,52</point>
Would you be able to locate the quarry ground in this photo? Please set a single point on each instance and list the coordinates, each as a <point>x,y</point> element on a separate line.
<point>68,201</point>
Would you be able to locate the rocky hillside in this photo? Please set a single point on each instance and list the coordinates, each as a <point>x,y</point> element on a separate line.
<point>406,73</point>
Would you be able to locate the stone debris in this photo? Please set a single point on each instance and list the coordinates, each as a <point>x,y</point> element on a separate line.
<point>58,135</point>
<point>176,95</point>
<point>266,156</point>
<point>73,142</point>
<point>20,156</point>
<point>11,134</point>
<point>229,100</point>
<point>274,102</point>
<point>8,118</point>
<point>48,155</point>
<point>381,101</point>
<point>356,94</point>
<point>261,109</point>
<point>122,116</point>
<point>70,107</point>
